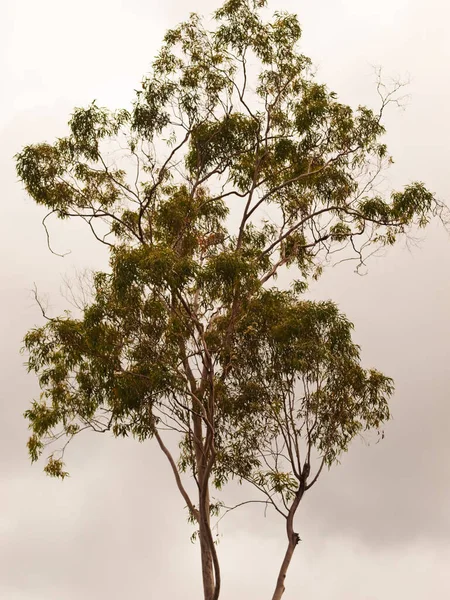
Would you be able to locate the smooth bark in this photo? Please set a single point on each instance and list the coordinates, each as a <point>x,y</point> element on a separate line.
<point>210,563</point>
<point>293,539</point>
<point>209,584</point>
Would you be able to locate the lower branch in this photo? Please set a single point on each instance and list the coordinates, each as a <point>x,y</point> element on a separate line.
<point>180,486</point>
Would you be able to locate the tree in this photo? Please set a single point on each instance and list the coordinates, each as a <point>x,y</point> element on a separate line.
<point>221,174</point>
<point>299,359</point>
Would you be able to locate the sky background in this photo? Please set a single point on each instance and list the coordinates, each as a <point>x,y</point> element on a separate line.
<point>375,528</point>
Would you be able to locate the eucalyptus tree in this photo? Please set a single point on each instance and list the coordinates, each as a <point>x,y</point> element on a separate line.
<point>299,370</point>
<point>231,164</point>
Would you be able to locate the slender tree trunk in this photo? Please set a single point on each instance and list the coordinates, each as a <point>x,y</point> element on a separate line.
<point>279,589</point>
<point>206,558</point>
<point>293,540</point>
<point>207,551</point>
<point>209,556</point>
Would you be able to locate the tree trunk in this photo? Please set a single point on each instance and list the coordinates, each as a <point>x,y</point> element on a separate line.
<point>210,575</point>
<point>279,589</point>
<point>207,563</point>
<point>293,540</point>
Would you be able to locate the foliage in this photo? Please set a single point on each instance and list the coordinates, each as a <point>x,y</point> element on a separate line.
<point>302,355</point>
<point>232,164</point>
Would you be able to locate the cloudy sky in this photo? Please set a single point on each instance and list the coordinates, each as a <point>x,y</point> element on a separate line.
<point>375,528</point>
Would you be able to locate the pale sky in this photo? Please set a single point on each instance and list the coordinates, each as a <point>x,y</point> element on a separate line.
<point>375,528</point>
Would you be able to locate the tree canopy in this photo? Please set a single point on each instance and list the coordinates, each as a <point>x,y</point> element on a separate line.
<point>232,164</point>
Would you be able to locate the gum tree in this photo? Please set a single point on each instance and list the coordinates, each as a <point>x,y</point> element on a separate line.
<point>232,164</point>
<point>300,372</point>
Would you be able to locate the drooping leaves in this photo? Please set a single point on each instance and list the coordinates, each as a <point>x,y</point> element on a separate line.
<point>232,164</point>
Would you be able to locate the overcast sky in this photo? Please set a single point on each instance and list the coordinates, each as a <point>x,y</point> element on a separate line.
<point>375,528</point>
